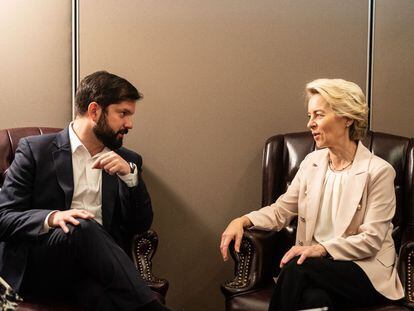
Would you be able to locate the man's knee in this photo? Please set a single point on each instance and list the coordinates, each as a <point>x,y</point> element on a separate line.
<point>87,230</point>
<point>85,226</point>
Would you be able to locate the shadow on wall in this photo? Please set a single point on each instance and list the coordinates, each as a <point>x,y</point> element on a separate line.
<point>188,253</point>
<point>250,182</point>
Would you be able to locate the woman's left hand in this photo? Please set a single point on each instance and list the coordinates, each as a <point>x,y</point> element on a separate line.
<point>304,252</point>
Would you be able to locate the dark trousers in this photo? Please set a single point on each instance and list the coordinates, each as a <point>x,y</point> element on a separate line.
<point>85,265</point>
<point>322,282</point>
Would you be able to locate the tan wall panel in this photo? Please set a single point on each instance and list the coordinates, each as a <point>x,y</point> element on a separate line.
<point>393,87</point>
<point>218,77</point>
<point>35,63</point>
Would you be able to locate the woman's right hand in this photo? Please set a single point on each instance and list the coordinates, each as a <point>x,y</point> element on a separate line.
<point>234,231</point>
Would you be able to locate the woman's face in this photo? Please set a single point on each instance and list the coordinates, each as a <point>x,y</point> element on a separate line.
<point>328,129</point>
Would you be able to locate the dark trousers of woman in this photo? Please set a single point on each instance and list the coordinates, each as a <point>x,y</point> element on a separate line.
<point>323,282</point>
<point>85,266</point>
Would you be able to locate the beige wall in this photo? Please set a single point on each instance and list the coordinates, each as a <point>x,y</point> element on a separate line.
<point>393,88</point>
<point>35,63</point>
<point>218,78</point>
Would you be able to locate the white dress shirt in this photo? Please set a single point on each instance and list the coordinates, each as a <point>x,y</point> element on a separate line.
<point>87,181</point>
<point>332,195</point>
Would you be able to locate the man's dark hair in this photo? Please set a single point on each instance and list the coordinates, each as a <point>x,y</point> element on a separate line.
<point>105,89</point>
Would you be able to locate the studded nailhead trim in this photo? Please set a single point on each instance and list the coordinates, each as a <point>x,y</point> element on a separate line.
<point>243,266</point>
<point>143,260</point>
<point>410,277</point>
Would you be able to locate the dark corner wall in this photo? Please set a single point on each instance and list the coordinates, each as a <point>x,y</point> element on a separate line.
<point>393,97</point>
<point>218,78</point>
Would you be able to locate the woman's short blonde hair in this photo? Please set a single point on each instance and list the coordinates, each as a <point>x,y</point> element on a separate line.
<point>346,99</point>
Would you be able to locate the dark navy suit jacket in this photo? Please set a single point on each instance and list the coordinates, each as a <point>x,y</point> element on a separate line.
<point>40,179</point>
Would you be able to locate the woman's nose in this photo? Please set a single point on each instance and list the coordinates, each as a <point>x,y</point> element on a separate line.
<point>311,124</point>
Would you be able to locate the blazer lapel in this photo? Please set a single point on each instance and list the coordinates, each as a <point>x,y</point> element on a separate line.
<point>62,160</point>
<point>353,190</point>
<point>314,186</point>
<point>109,196</point>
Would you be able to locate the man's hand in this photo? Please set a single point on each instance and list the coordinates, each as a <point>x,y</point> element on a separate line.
<point>234,231</point>
<point>112,163</point>
<point>61,218</point>
<point>304,252</point>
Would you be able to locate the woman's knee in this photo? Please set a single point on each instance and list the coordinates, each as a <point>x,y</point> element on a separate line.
<point>291,267</point>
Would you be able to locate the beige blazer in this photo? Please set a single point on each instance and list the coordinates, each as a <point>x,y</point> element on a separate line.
<point>363,223</point>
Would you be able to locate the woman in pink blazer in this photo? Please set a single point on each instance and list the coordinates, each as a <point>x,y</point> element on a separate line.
<point>344,198</point>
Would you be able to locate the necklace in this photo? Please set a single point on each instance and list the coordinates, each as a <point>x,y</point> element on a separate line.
<point>338,170</point>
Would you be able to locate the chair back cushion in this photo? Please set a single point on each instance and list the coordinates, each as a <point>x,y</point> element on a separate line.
<point>9,139</point>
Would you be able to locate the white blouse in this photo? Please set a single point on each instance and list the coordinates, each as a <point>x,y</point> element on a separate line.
<point>331,196</point>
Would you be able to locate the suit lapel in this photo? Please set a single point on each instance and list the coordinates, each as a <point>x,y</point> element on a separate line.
<point>314,186</point>
<point>62,160</point>
<point>353,190</point>
<point>109,195</point>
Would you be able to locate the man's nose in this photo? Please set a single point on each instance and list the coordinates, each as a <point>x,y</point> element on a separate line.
<point>129,124</point>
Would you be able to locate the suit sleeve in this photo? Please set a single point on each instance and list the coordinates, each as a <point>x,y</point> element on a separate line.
<point>136,208</point>
<point>17,219</point>
<point>279,214</point>
<point>380,210</point>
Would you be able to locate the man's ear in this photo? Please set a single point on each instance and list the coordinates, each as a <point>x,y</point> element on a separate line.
<point>94,111</point>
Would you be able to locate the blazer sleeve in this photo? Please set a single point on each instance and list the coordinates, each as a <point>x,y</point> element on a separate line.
<point>136,207</point>
<point>17,218</point>
<point>279,214</point>
<point>380,210</point>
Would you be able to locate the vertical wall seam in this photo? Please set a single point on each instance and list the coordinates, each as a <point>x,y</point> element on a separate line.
<point>75,51</point>
<point>370,58</point>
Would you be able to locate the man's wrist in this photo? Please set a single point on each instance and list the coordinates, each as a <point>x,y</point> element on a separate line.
<point>132,167</point>
<point>49,220</point>
<point>130,179</point>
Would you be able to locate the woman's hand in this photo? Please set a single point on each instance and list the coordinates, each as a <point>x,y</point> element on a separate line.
<point>304,252</point>
<point>234,231</point>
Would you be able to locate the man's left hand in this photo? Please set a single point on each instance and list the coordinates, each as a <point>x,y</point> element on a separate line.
<point>304,252</point>
<point>112,163</point>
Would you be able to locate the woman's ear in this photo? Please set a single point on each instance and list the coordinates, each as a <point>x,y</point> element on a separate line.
<point>348,122</point>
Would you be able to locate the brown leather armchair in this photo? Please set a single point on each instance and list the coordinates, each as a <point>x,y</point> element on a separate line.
<point>257,263</point>
<point>143,246</point>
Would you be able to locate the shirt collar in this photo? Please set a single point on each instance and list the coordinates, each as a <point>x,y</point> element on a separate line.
<point>75,142</point>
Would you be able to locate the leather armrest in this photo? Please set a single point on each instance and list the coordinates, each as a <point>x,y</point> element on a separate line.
<point>405,265</point>
<point>144,247</point>
<point>258,260</point>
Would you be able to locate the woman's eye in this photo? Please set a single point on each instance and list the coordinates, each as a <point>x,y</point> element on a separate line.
<point>122,114</point>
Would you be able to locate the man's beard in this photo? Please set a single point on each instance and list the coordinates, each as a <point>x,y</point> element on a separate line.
<point>107,135</point>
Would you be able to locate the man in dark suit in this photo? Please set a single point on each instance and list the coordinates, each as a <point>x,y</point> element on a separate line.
<point>70,199</point>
